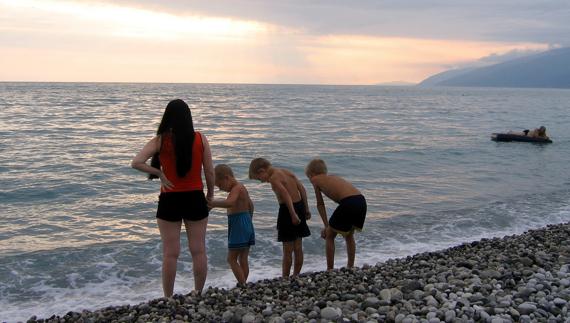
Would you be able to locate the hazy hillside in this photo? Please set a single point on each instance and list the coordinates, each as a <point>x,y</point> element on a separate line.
<point>550,69</point>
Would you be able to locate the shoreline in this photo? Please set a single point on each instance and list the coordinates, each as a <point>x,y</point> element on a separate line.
<point>523,278</point>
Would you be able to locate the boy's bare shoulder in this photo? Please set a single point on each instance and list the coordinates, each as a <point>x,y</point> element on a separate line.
<point>289,174</point>
<point>319,179</point>
<point>243,188</point>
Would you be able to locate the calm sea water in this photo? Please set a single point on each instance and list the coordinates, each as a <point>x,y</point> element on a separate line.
<point>77,225</point>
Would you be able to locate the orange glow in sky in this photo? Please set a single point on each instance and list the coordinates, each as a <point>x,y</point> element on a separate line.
<point>48,40</point>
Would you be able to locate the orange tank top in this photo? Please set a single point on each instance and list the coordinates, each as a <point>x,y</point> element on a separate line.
<point>192,181</point>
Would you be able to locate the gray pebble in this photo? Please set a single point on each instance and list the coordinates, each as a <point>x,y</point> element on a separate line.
<point>330,313</point>
<point>248,318</point>
<point>527,308</point>
<point>227,316</point>
<point>288,315</point>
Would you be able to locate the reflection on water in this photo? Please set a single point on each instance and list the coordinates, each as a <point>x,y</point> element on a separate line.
<point>78,223</point>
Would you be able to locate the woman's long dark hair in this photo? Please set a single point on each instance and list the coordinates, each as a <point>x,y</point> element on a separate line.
<point>177,119</point>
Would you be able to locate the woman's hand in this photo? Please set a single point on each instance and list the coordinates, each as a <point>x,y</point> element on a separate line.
<point>324,233</point>
<point>210,200</point>
<point>308,215</point>
<point>164,182</point>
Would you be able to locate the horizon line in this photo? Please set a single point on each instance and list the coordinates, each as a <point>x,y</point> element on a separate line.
<point>218,83</point>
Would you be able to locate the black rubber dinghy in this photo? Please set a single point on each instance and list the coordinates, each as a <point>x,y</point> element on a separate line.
<point>512,137</point>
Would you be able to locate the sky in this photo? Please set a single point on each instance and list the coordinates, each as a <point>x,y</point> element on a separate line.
<point>266,41</point>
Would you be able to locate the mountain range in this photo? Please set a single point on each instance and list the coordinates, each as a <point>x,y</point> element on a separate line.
<point>550,69</point>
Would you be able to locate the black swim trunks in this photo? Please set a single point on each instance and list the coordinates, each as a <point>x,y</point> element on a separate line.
<point>175,206</point>
<point>286,231</point>
<point>349,215</point>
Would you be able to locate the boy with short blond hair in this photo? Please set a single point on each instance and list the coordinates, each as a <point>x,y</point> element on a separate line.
<point>293,211</point>
<point>241,234</point>
<point>348,216</point>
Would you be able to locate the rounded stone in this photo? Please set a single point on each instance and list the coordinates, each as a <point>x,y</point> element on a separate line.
<point>288,315</point>
<point>330,313</point>
<point>386,295</point>
<point>449,316</point>
<point>248,318</point>
<point>399,318</point>
<point>526,308</point>
<point>370,302</point>
<point>559,302</point>
<point>227,316</point>
<point>267,311</point>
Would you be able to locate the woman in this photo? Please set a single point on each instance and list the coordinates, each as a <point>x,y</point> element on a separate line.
<point>178,156</point>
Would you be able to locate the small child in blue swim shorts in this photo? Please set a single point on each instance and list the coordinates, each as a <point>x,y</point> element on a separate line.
<point>241,234</point>
<point>348,217</point>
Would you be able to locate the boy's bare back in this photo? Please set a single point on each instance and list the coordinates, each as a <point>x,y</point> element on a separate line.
<point>334,187</point>
<point>243,202</point>
<point>288,180</point>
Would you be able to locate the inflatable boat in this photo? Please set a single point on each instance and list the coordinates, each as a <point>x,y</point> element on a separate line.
<point>514,137</point>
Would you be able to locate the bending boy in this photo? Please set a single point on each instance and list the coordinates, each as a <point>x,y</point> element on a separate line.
<point>348,216</point>
<point>241,234</point>
<point>293,211</point>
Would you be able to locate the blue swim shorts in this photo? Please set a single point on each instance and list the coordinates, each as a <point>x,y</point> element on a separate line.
<point>240,231</point>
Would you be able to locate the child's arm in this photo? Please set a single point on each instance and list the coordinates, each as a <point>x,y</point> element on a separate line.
<point>284,196</point>
<point>229,202</point>
<point>322,209</point>
<point>250,202</point>
<point>303,192</point>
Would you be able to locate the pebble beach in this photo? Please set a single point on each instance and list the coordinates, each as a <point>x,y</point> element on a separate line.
<point>518,278</point>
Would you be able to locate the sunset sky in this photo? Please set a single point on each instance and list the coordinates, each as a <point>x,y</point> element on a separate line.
<point>256,41</point>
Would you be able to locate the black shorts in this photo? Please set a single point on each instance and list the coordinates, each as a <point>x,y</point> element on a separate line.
<point>286,231</point>
<point>349,215</point>
<point>175,206</point>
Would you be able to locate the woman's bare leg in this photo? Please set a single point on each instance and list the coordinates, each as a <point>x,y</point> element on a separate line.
<point>196,231</point>
<point>170,236</point>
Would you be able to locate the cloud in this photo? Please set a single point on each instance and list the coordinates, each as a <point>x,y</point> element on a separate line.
<point>242,41</point>
<point>486,20</point>
<point>500,57</point>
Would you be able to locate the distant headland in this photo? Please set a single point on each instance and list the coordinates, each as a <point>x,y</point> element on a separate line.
<point>550,69</point>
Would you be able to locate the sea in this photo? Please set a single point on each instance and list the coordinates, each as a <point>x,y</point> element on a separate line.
<point>77,223</point>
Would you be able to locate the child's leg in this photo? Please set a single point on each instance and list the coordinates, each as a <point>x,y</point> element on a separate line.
<point>330,236</point>
<point>288,247</point>
<point>233,262</point>
<point>243,262</point>
<point>298,250</point>
<point>350,249</point>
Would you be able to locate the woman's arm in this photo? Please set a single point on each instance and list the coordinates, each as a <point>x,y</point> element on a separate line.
<point>208,167</point>
<point>139,161</point>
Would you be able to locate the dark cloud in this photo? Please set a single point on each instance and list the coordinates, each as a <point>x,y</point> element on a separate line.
<point>500,20</point>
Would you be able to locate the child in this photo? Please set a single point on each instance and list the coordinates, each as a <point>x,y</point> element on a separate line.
<point>293,211</point>
<point>240,226</point>
<point>348,216</point>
